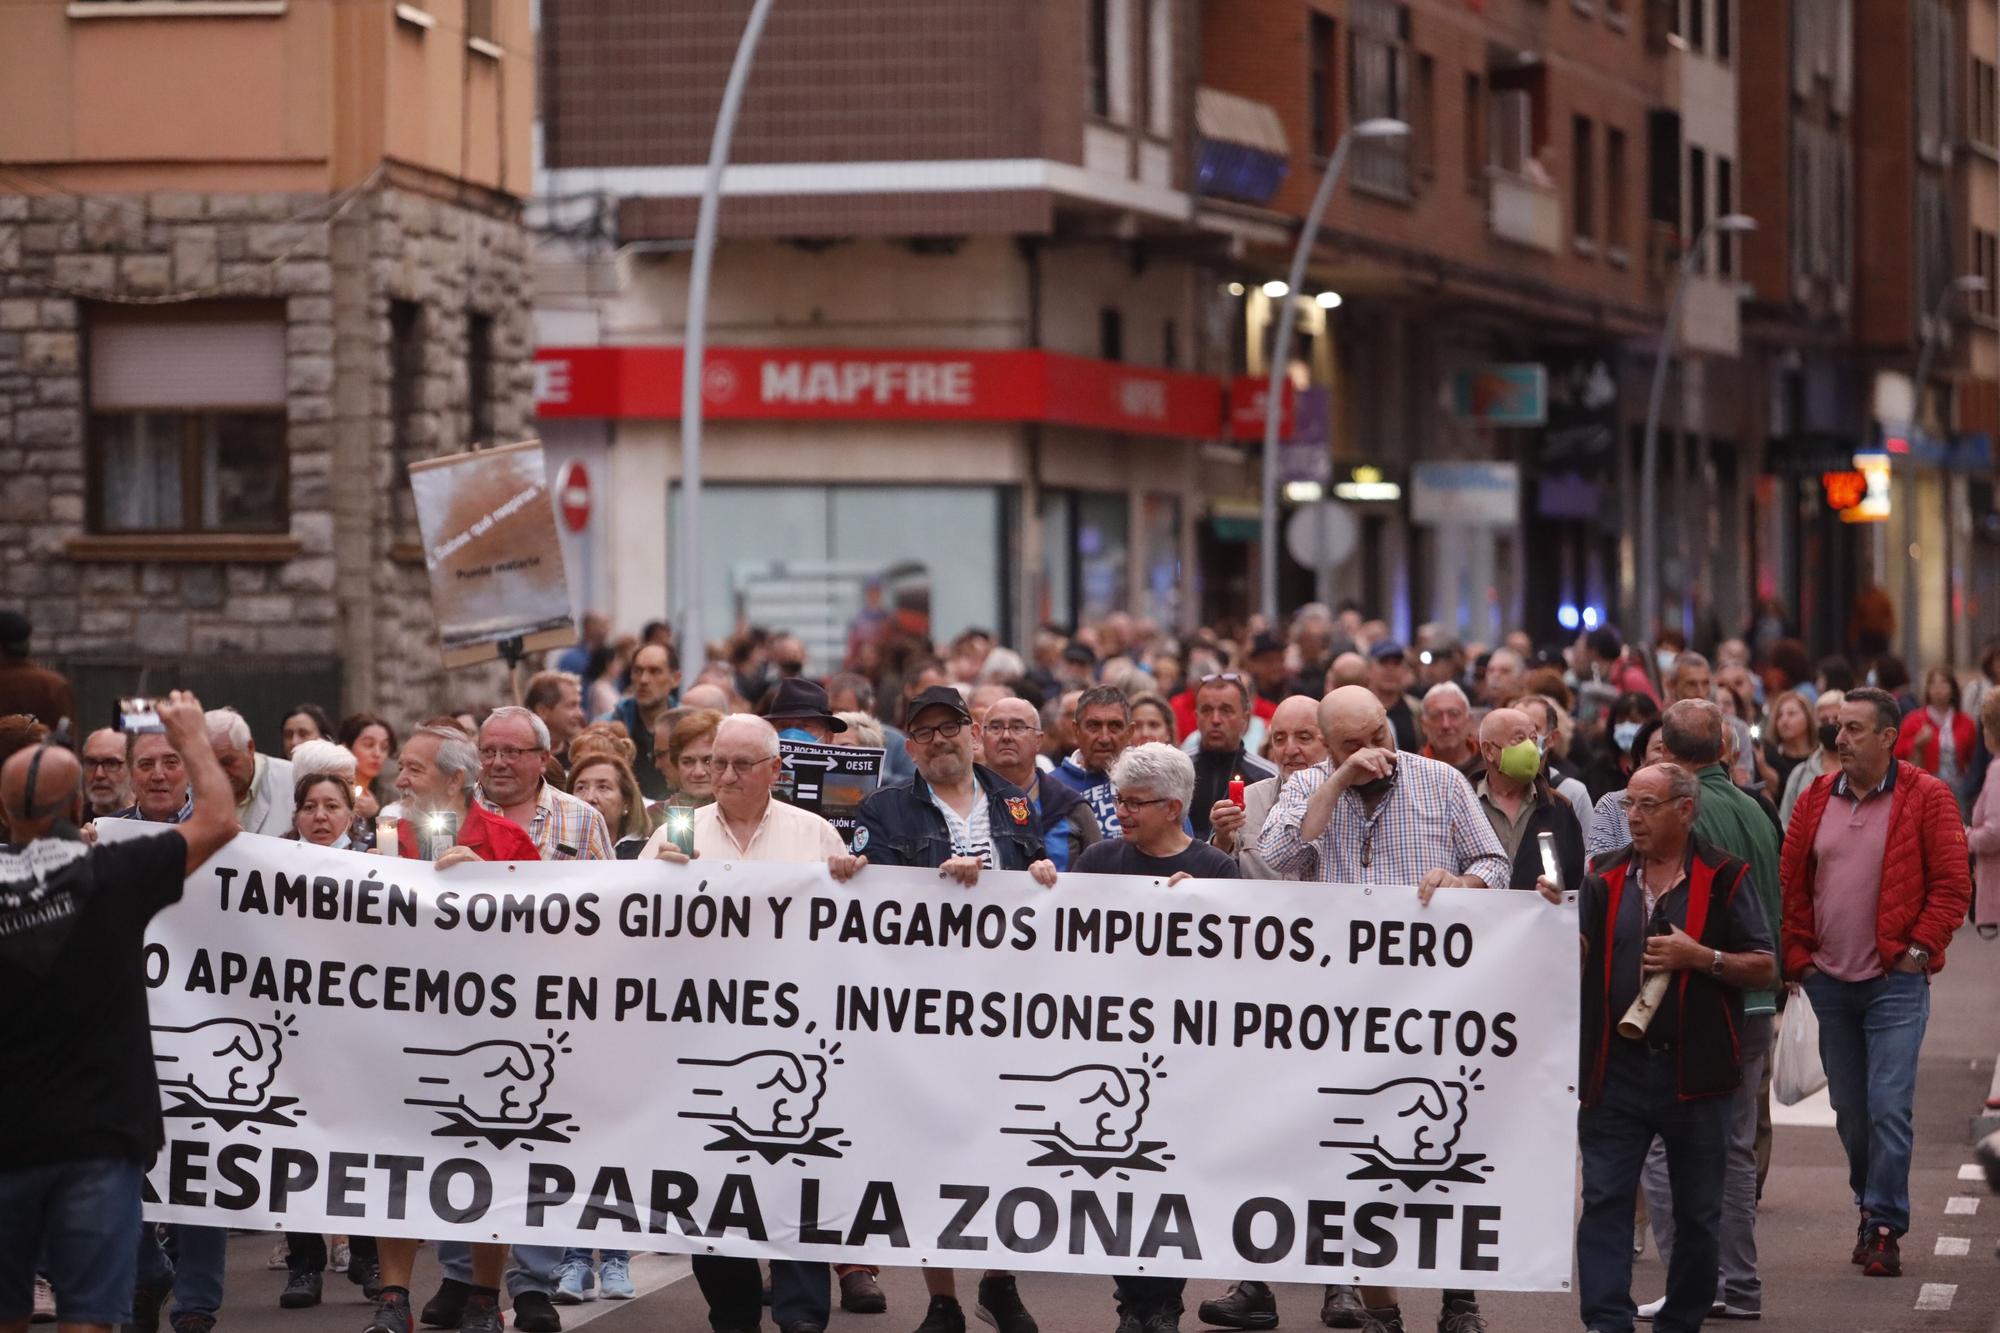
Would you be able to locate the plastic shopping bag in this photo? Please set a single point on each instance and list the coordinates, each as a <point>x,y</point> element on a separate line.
<point>1796,1072</point>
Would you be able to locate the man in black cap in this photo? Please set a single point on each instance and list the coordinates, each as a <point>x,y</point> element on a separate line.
<point>24,686</point>
<point>1389,678</point>
<point>799,709</point>
<point>1266,665</point>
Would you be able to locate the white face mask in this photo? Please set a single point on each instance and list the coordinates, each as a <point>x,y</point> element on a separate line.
<point>1665,657</point>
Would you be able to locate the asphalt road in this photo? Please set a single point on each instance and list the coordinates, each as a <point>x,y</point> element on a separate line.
<point>1950,1282</point>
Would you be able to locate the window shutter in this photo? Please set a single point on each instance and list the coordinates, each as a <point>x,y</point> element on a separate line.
<point>228,364</point>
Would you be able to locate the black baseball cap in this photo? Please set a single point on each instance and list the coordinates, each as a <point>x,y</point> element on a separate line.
<point>1266,642</point>
<point>1387,650</point>
<point>940,696</point>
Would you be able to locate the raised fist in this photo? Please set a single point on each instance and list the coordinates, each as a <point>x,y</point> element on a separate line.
<point>491,1082</point>
<point>1413,1120</point>
<point>765,1094</point>
<point>1089,1108</point>
<point>220,1062</point>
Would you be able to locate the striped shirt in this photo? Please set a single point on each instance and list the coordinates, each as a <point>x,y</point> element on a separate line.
<point>969,837</point>
<point>563,827</point>
<point>1429,820</point>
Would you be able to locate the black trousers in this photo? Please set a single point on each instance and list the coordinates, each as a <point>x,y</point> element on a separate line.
<point>801,1293</point>
<point>308,1251</point>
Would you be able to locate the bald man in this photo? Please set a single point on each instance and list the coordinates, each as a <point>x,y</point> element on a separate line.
<point>1506,677</point>
<point>107,782</point>
<point>1347,669</point>
<point>1515,794</point>
<point>82,1116</point>
<point>1296,745</point>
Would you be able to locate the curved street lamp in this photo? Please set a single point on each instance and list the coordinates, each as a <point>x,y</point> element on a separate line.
<point>1281,354</point>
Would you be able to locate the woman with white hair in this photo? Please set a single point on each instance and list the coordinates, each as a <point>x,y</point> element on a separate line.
<point>1154,784</point>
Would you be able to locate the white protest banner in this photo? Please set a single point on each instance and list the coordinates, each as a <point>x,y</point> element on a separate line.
<point>1225,1079</point>
<point>495,559</point>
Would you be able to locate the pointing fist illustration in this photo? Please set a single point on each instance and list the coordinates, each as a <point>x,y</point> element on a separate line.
<point>220,1062</point>
<point>1090,1108</point>
<point>765,1094</point>
<point>491,1082</point>
<point>1413,1120</point>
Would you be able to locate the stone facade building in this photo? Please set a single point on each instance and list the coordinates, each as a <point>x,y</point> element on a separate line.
<point>214,373</point>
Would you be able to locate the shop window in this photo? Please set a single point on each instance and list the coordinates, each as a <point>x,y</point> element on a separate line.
<point>1103,523</point>
<point>187,420</point>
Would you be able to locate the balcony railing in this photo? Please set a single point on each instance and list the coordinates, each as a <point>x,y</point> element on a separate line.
<point>1522,211</point>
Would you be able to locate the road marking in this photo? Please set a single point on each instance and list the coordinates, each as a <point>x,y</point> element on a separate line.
<point>1936,1295</point>
<point>650,1273</point>
<point>1961,1205</point>
<point>1953,1246</point>
<point>1971,1171</point>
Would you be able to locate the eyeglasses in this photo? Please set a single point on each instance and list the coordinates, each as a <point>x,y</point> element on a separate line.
<point>1010,728</point>
<point>1129,803</point>
<point>1649,807</point>
<point>925,735</point>
<point>744,766</point>
<point>94,764</point>
<point>507,753</point>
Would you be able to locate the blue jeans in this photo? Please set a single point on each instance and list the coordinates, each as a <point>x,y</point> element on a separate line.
<point>583,1256</point>
<point>195,1269</point>
<point>1869,1036</point>
<point>533,1269</point>
<point>1641,1099</point>
<point>77,1218</point>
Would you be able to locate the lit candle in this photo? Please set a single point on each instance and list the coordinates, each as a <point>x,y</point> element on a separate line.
<point>385,837</point>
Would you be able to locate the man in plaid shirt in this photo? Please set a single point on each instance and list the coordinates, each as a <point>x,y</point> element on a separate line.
<point>1371,815</point>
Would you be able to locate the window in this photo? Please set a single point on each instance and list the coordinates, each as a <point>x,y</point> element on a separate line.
<point>1697,204</point>
<point>1512,141</point>
<point>1696,31</point>
<point>1159,67</point>
<point>1320,112</point>
<point>479,377</point>
<point>406,370</point>
<point>1935,63</point>
<point>1614,188</point>
<point>1378,87</point>
<point>479,21</point>
<point>1426,113</point>
<point>187,420</point>
<point>1583,179</point>
<point>1110,334</point>
<point>1722,34</point>
<point>1170,345</point>
<point>1986,263</point>
<point>1473,131</point>
<point>1100,57</point>
<point>1982,119</point>
<point>1725,204</point>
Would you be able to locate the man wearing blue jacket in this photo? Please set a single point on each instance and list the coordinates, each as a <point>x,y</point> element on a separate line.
<point>1012,736</point>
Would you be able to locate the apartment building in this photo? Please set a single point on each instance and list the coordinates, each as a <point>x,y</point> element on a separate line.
<point>256,256</point>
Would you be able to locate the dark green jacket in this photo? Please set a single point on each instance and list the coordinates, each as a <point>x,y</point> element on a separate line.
<point>1732,820</point>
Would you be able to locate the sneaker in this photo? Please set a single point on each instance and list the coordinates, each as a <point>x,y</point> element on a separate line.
<point>45,1302</point>
<point>614,1278</point>
<point>447,1307</point>
<point>1128,1323</point>
<point>533,1313</point>
<point>1461,1317</point>
<point>1861,1241</point>
<point>860,1293</point>
<point>281,1256</point>
<point>343,1256</point>
<point>1166,1319</point>
<point>944,1316</point>
<point>1389,1319</point>
<point>367,1275</point>
<point>575,1283</point>
<point>1885,1258</point>
<point>1000,1305</point>
<point>1244,1305</point>
<point>482,1312</point>
<point>301,1291</point>
<point>184,1322</point>
<point>392,1312</point>
<point>1651,1309</point>
<point>1342,1308</point>
<point>147,1298</point>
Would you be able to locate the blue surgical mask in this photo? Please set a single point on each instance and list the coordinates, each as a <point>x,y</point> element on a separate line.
<point>1623,734</point>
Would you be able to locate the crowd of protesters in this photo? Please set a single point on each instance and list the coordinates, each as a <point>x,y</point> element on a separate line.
<point>1683,798</point>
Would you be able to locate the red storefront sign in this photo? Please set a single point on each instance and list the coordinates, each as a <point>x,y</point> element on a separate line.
<point>1246,408</point>
<point>841,384</point>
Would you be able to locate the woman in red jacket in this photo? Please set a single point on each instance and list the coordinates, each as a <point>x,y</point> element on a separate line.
<point>1938,738</point>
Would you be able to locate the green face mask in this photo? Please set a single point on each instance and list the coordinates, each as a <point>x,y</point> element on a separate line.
<point>1521,761</point>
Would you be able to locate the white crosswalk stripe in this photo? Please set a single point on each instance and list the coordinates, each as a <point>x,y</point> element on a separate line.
<point>1953,1246</point>
<point>1936,1295</point>
<point>1961,1205</point>
<point>1971,1171</point>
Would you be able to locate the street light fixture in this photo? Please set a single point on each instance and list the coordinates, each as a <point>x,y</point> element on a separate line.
<point>1649,454</point>
<point>1281,353</point>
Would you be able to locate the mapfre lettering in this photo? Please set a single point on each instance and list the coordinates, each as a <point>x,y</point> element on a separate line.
<point>879,383</point>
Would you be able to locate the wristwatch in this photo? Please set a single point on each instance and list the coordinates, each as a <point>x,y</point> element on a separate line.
<point>1715,963</point>
<point>1920,956</point>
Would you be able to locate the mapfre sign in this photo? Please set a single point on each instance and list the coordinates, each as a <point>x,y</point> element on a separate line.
<point>831,384</point>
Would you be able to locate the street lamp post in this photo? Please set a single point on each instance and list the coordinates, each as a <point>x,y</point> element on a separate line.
<point>687,565</point>
<point>1965,284</point>
<point>1281,353</point>
<point>1649,454</point>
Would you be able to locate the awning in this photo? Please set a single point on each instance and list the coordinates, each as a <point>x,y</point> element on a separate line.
<point>1227,118</point>
<point>1241,151</point>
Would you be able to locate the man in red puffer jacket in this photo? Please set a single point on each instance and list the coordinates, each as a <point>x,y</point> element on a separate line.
<point>1876,880</point>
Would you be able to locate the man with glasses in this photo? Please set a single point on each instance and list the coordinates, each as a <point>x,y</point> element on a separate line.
<point>744,823</point>
<point>1102,718</point>
<point>107,783</point>
<point>1012,734</point>
<point>1373,815</point>
<point>1222,716</point>
<point>960,818</point>
<point>513,747</point>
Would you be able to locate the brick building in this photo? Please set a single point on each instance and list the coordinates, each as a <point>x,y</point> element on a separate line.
<point>227,323</point>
